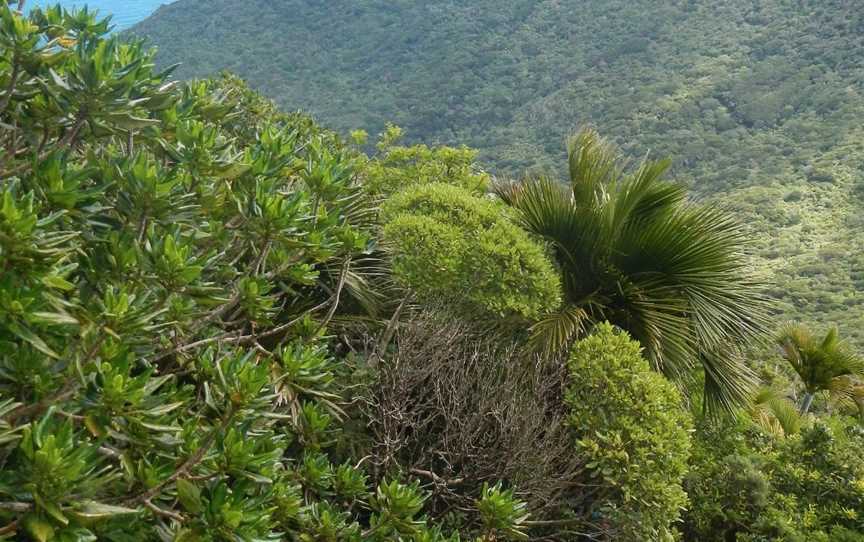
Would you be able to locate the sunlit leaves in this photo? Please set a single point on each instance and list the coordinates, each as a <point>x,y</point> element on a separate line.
<point>450,245</point>
<point>633,433</point>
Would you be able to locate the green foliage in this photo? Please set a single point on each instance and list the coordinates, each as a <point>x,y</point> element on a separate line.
<point>635,252</point>
<point>721,86</point>
<point>745,485</point>
<point>452,245</point>
<point>397,167</point>
<point>445,203</point>
<point>634,434</point>
<point>502,514</point>
<point>173,262</point>
<point>823,365</point>
<point>774,413</point>
<point>198,341</point>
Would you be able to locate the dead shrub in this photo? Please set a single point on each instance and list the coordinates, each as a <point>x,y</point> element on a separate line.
<point>458,406</point>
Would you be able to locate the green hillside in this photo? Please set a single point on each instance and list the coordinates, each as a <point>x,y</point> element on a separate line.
<point>221,321</point>
<point>761,102</point>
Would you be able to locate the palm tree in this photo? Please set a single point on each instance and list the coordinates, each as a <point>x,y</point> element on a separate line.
<point>635,252</point>
<point>774,413</point>
<point>825,364</point>
<point>857,398</point>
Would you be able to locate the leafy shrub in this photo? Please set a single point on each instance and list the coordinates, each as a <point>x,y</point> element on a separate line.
<point>449,244</point>
<point>748,485</point>
<point>397,168</point>
<point>632,433</point>
<point>172,260</point>
<point>444,203</point>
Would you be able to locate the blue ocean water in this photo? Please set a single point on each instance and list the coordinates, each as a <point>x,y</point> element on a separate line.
<point>125,13</point>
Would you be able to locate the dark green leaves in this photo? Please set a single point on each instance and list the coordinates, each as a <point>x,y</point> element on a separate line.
<point>634,252</point>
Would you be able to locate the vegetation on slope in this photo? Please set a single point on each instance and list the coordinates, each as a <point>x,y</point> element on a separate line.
<point>174,260</point>
<point>760,102</point>
<point>208,333</point>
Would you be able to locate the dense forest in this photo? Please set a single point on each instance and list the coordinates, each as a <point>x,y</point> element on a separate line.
<point>759,102</point>
<point>223,321</point>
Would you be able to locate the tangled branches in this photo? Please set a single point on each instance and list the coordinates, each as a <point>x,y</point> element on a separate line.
<point>458,408</point>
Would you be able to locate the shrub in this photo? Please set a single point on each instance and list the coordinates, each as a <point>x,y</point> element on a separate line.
<point>171,260</point>
<point>444,203</point>
<point>449,244</point>
<point>461,408</point>
<point>747,485</point>
<point>397,167</point>
<point>632,433</point>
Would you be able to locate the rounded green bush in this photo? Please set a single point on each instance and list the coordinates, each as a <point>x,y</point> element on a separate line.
<point>427,255</point>
<point>399,167</point>
<point>451,245</point>
<point>445,203</point>
<point>633,433</point>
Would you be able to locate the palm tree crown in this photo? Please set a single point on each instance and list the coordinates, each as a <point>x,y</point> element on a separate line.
<point>825,364</point>
<point>635,252</point>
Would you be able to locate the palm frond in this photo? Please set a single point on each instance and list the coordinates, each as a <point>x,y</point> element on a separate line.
<point>823,365</point>
<point>843,388</point>
<point>633,251</point>
<point>774,413</point>
<point>657,318</point>
<point>729,380</point>
<point>507,191</point>
<point>546,209</point>
<point>593,166</point>
<point>645,196</point>
<point>556,331</point>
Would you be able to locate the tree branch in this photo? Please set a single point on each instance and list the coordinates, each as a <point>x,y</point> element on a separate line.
<point>162,512</point>
<point>16,506</point>
<point>13,81</point>
<point>187,465</point>
<point>10,528</point>
<point>67,140</point>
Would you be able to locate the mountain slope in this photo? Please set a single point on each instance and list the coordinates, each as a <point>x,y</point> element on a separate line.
<point>759,102</point>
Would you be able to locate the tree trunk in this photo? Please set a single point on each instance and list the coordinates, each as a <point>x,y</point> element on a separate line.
<point>807,402</point>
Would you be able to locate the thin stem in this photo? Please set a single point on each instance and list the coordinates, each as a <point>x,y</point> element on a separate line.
<point>235,337</point>
<point>9,528</point>
<point>13,80</point>
<point>807,402</point>
<point>387,334</point>
<point>67,140</point>
<point>342,277</point>
<point>164,513</point>
<point>187,465</point>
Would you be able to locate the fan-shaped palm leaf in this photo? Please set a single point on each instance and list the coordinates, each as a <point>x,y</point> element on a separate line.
<point>856,397</point>
<point>634,251</point>
<point>774,413</point>
<point>826,364</point>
